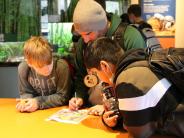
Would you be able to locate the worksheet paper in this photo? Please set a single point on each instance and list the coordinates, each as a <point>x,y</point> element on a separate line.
<point>69,116</point>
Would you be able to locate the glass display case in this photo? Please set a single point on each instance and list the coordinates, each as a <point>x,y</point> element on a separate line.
<point>21,19</point>
<point>11,51</point>
<point>60,36</point>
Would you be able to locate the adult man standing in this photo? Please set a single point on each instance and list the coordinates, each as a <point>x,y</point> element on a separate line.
<point>90,21</point>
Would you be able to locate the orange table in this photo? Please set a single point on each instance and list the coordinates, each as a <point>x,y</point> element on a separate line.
<point>33,125</point>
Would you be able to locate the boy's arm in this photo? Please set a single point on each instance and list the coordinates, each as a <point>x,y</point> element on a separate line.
<point>25,89</point>
<point>63,90</point>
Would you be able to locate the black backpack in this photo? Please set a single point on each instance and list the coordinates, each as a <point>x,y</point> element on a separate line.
<point>167,62</point>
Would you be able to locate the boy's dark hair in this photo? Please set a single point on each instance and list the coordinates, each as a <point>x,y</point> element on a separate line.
<point>135,9</point>
<point>102,49</point>
<point>124,18</point>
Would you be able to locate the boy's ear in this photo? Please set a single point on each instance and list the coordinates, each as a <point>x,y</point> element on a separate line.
<point>104,66</point>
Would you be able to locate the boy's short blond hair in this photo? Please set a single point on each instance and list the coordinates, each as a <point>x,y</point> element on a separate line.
<point>37,51</point>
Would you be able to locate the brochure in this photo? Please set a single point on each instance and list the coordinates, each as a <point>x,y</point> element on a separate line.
<point>69,116</point>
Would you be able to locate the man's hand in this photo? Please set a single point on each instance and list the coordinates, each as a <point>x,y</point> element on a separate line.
<point>109,120</point>
<point>96,110</point>
<point>75,103</point>
<point>27,105</point>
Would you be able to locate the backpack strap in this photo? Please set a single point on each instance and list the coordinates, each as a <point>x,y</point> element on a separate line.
<point>137,27</point>
<point>119,34</point>
<point>114,23</point>
<point>70,65</point>
<point>144,24</point>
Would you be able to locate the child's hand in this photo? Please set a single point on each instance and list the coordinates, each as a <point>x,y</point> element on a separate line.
<point>96,110</point>
<point>109,120</point>
<point>27,105</point>
<point>31,105</point>
<point>21,104</point>
<point>75,103</point>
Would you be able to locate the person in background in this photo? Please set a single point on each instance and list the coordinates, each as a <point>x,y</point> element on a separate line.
<point>148,102</point>
<point>134,14</point>
<point>90,21</point>
<point>44,81</point>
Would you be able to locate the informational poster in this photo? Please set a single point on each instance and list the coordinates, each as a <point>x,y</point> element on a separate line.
<point>161,15</point>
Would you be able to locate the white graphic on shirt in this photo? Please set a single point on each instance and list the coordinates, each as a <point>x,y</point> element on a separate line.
<point>41,85</point>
